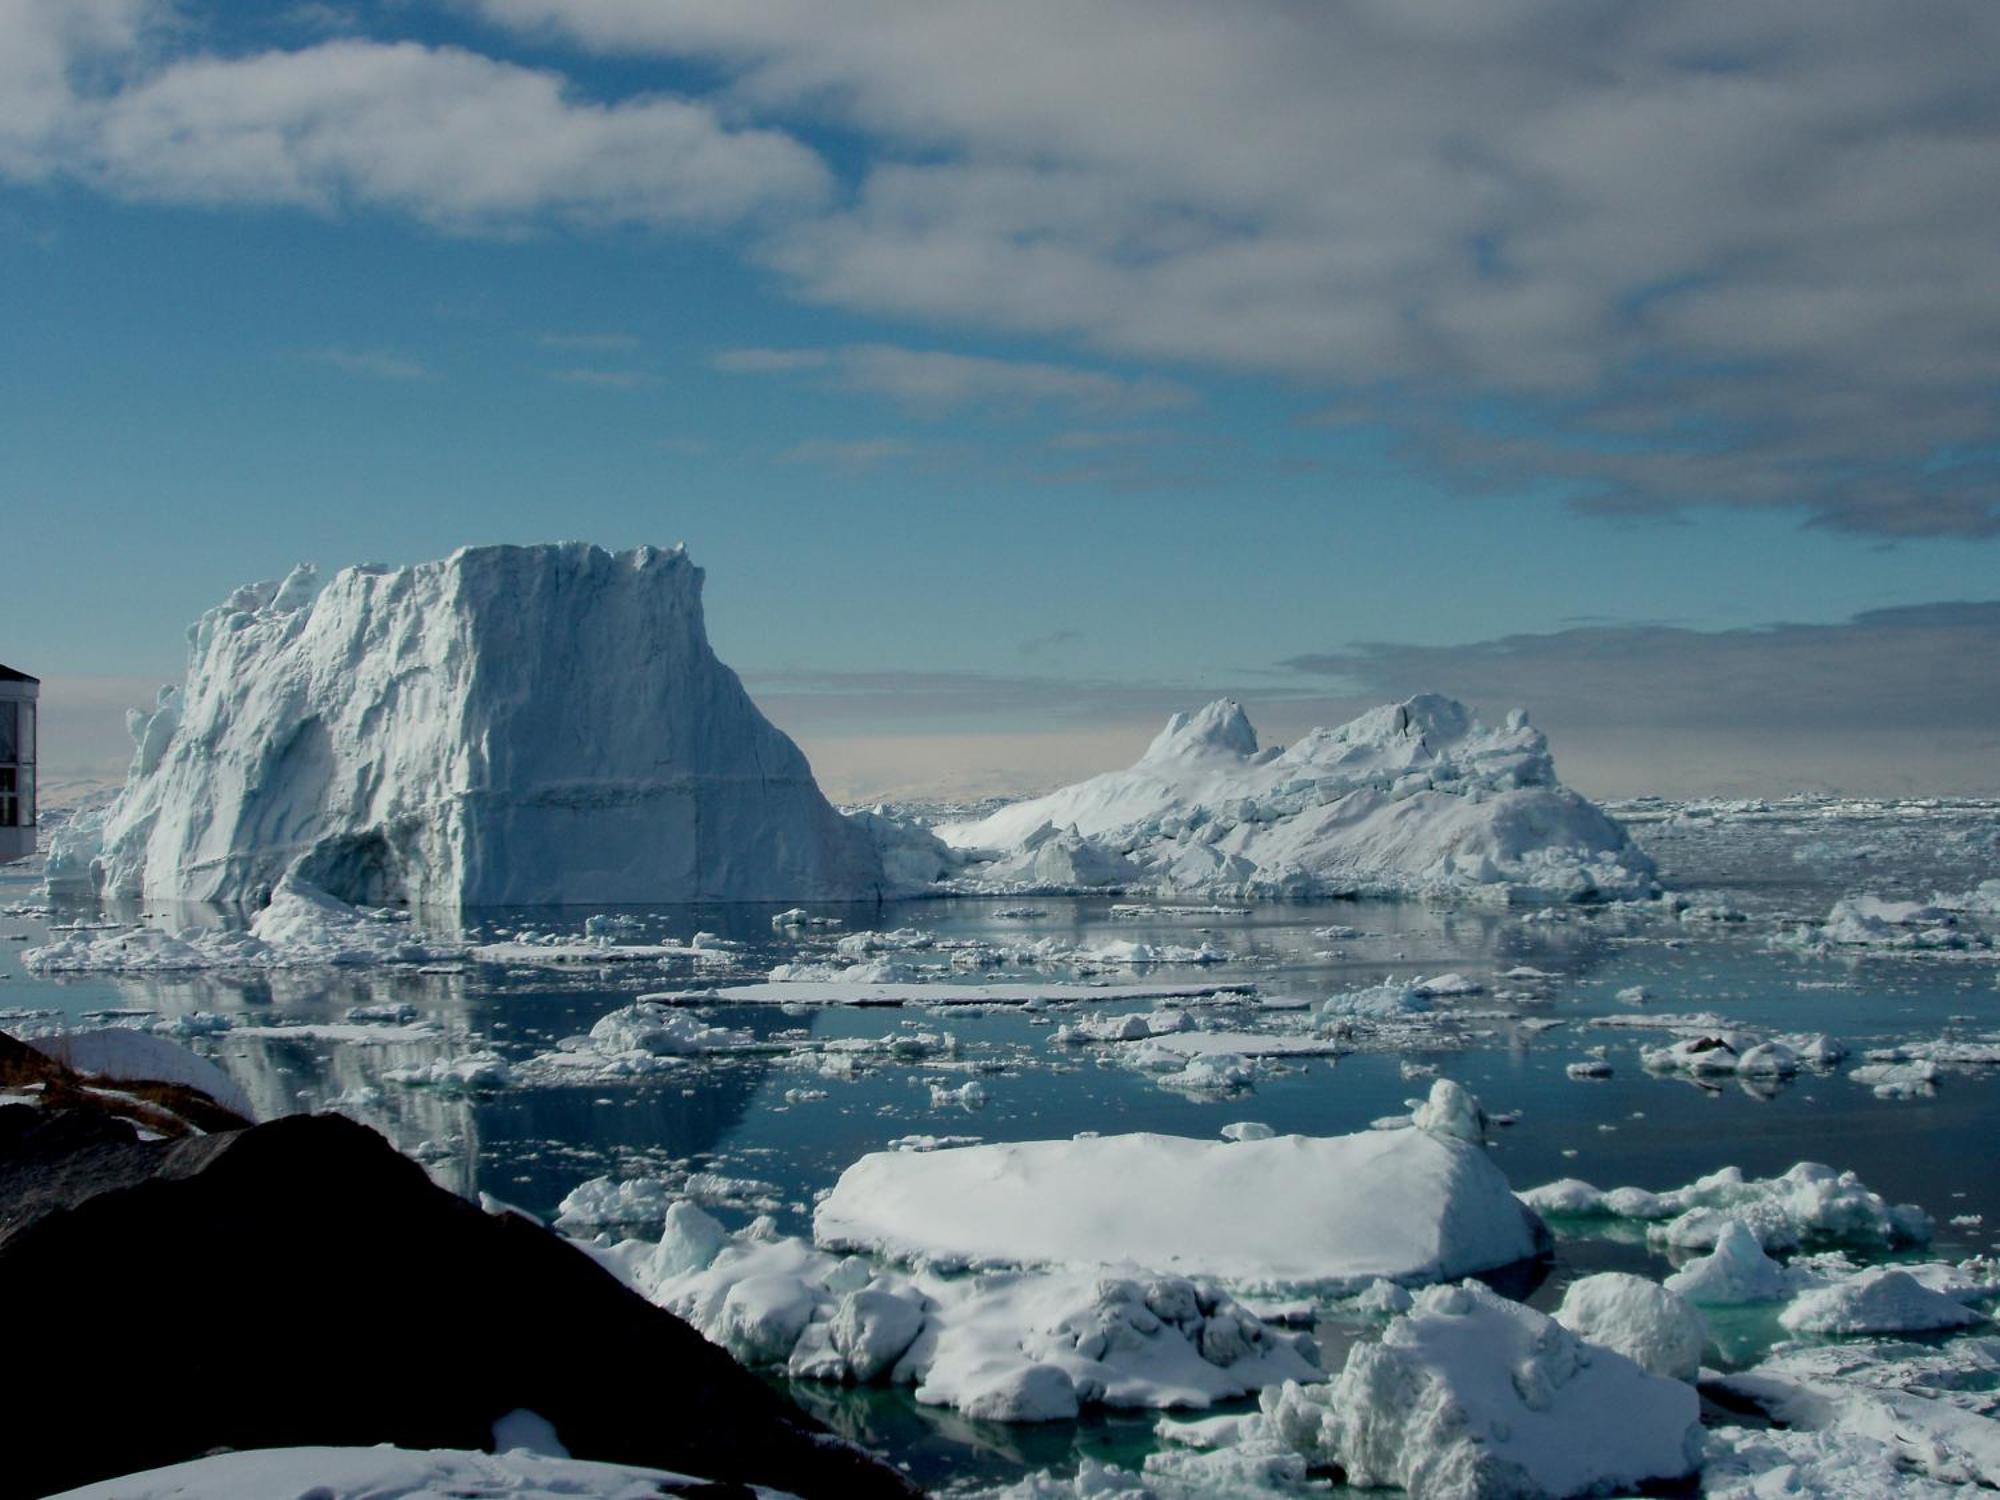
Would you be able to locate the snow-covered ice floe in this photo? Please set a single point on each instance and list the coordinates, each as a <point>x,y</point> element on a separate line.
<point>1015,1347</point>
<point>1284,1214</point>
<point>1873,922</point>
<point>471,732</point>
<point>1863,1421</point>
<point>1810,1204</point>
<point>386,1473</point>
<point>1413,798</point>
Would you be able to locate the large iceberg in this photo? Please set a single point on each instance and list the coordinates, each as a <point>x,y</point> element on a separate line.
<point>527,725</point>
<point>1284,1214</point>
<point>1410,798</point>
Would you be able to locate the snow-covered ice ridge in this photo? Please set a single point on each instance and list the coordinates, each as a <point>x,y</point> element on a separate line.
<point>1413,798</point>
<point>542,724</point>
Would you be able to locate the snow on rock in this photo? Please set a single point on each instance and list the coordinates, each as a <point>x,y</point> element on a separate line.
<point>1809,1203</point>
<point>1288,1212</point>
<point>1650,1325</point>
<point>1469,1396</point>
<point>1883,1299</point>
<point>1410,798</point>
<point>541,724</point>
<point>1735,1272</point>
<point>385,1473</point>
<point>128,1054</point>
<point>1022,1347</point>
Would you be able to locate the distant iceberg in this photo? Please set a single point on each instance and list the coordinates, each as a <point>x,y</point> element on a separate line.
<point>1413,798</point>
<point>512,725</point>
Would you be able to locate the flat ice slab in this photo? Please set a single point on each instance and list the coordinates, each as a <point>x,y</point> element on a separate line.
<point>858,992</point>
<point>1290,1212</point>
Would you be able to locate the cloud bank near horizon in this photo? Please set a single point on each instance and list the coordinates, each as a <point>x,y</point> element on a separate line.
<point>1892,701</point>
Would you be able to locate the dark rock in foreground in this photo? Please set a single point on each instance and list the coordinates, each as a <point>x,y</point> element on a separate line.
<point>301,1282</point>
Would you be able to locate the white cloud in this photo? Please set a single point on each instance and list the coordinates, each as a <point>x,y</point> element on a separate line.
<point>452,138</point>
<point>938,381</point>
<point>1711,255</point>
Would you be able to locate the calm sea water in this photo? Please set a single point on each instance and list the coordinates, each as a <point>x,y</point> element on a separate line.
<point>747,1117</point>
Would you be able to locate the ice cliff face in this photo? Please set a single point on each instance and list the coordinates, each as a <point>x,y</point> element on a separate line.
<point>525,725</point>
<point>1413,797</point>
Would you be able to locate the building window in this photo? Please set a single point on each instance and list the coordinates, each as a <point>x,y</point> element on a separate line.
<point>10,797</point>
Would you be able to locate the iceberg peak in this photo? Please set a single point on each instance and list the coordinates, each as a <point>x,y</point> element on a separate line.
<point>1222,728</point>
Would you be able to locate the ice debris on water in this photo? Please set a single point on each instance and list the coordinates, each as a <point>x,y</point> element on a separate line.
<point>1021,1347</point>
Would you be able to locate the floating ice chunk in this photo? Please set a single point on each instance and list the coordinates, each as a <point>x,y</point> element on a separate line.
<point>477,1072</point>
<point>1808,1203</point>
<point>1897,1080</point>
<point>1471,1397</point>
<point>1780,1463</point>
<point>1247,1130</point>
<point>1735,1272</point>
<point>1382,1299</point>
<point>1446,985</point>
<point>1592,1067</point>
<point>1386,1001</point>
<point>1021,1347</point>
<point>1868,921</point>
<point>969,1095</point>
<point>871,1329</point>
<point>606,1202</point>
<point>1013,1392</point>
<point>1983,900</point>
<point>1647,1323</point>
<point>1130,1027</point>
<point>636,1040</point>
<point>1856,1432</point>
<point>1452,1111</point>
<point>690,1239</point>
<point>1288,1212</point>
<point>1881,1300</point>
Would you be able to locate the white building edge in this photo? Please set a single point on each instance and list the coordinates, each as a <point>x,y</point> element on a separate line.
<point>18,692</point>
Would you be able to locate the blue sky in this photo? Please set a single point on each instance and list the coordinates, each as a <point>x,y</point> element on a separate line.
<point>1015,383</point>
